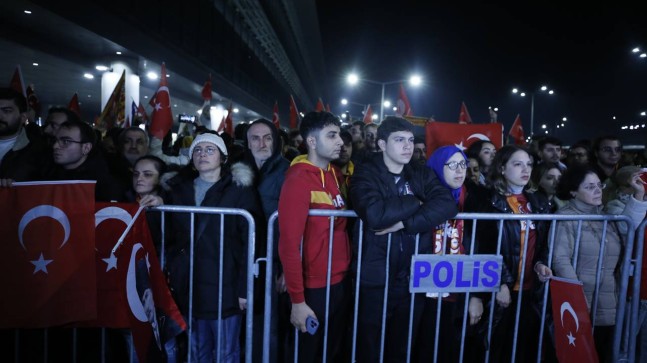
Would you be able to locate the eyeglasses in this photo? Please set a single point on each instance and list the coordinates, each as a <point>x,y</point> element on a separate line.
<point>65,142</point>
<point>455,164</point>
<point>591,187</point>
<point>609,149</point>
<point>207,150</point>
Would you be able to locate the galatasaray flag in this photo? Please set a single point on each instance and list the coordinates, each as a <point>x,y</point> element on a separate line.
<point>132,290</point>
<point>114,113</point>
<point>573,333</point>
<point>47,254</point>
<point>439,134</point>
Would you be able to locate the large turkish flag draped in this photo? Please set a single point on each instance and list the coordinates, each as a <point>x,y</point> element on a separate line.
<point>47,254</point>
<point>439,134</point>
<point>573,333</point>
<point>131,281</point>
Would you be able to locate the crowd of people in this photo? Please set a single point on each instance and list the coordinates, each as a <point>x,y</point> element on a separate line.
<point>407,203</point>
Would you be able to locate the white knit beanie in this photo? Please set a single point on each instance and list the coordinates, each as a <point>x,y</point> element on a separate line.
<point>210,138</point>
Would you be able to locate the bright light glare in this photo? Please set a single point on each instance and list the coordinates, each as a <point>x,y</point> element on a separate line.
<point>374,117</point>
<point>551,92</point>
<point>522,94</point>
<point>387,103</point>
<point>515,90</point>
<point>395,108</point>
<point>352,79</point>
<point>343,115</point>
<point>564,119</point>
<point>344,101</point>
<point>27,11</point>
<point>151,75</point>
<point>236,110</point>
<point>101,68</point>
<point>88,76</point>
<point>415,80</point>
<point>636,50</point>
<point>543,126</point>
<point>643,55</point>
<point>35,64</point>
<point>543,88</point>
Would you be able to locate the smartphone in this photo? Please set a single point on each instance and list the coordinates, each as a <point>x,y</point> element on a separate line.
<point>311,325</point>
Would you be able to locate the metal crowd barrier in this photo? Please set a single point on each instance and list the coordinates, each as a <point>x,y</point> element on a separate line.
<point>626,328</point>
<point>624,331</point>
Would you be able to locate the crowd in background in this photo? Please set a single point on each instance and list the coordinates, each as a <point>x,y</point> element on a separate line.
<point>383,173</point>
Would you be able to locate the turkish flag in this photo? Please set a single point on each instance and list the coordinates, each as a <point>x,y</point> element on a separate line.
<point>162,119</point>
<point>17,83</point>
<point>229,121</point>
<point>464,116</point>
<point>320,105</point>
<point>275,115</point>
<point>74,105</point>
<point>130,281</point>
<point>573,333</point>
<point>403,105</point>
<point>516,132</point>
<point>221,126</point>
<point>32,99</point>
<point>294,114</point>
<point>368,115</point>
<point>206,89</point>
<point>47,254</point>
<point>439,134</point>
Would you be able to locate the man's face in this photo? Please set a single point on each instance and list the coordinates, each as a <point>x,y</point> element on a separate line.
<point>356,133</point>
<point>345,153</point>
<point>135,145</point>
<point>370,135</point>
<point>398,148</point>
<point>328,143</point>
<point>578,155</point>
<point>297,141</point>
<point>69,151</point>
<point>419,153</point>
<point>53,123</point>
<point>551,153</point>
<point>10,118</point>
<point>261,144</point>
<point>609,152</point>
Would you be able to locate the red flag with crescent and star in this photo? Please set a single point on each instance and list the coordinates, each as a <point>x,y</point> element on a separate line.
<point>47,254</point>
<point>275,115</point>
<point>162,118</point>
<point>403,105</point>
<point>516,132</point>
<point>131,287</point>
<point>17,83</point>
<point>74,105</point>
<point>573,333</point>
<point>368,115</point>
<point>464,116</point>
<point>320,105</point>
<point>439,134</point>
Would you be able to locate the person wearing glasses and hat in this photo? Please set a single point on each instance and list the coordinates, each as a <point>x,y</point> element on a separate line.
<point>214,184</point>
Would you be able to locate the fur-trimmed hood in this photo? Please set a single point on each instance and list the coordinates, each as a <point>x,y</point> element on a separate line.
<point>242,174</point>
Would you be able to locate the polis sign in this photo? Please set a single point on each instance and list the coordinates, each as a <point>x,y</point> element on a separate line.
<point>455,273</point>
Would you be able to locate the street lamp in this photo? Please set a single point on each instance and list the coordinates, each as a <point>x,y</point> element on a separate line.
<point>532,103</point>
<point>353,79</point>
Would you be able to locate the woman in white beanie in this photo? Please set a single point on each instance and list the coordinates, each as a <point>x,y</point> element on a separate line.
<point>214,184</point>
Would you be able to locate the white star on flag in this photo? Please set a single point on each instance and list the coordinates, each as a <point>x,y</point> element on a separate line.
<point>571,339</point>
<point>460,146</point>
<point>111,262</point>
<point>158,106</point>
<point>41,264</point>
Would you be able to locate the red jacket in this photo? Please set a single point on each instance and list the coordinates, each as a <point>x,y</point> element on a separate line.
<point>308,187</point>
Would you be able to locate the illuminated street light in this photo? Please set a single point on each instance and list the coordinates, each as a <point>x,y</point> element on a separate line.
<point>543,88</point>
<point>344,101</point>
<point>352,79</point>
<point>387,103</point>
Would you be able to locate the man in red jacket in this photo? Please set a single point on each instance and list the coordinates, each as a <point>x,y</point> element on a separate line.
<point>312,182</point>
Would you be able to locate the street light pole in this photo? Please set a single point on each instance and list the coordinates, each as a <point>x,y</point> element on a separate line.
<point>353,79</point>
<point>382,103</point>
<point>532,114</point>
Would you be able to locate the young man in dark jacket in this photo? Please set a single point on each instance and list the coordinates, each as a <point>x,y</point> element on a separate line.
<point>393,197</point>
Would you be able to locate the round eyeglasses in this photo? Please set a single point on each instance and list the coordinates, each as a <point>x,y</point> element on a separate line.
<point>455,164</point>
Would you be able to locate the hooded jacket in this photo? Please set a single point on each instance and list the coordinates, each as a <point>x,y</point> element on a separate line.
<point>233,190</point>
<point>377,202</point>
<point>308,187</point>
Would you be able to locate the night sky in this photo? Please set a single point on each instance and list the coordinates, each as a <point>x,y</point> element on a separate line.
<point>478,53</point>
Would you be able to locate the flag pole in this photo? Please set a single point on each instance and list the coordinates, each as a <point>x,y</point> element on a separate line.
<point>128,228</point>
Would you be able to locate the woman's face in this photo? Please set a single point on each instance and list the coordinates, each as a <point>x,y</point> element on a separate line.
<point>549,180</point>
<point>206,157</point>
<point>590,190</point>
<point>517,170</point>
<point>455,178</point>
<point>473,170</point>
<point>145,177</point>
<point>487,154</point>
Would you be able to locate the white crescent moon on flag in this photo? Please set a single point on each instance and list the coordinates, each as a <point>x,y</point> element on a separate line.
<point>566,306</point>
<point>163,89</point>
<point>478,136</point>
<point>112,213</point>
<point>132,295</point>
<point>44,210</point>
